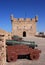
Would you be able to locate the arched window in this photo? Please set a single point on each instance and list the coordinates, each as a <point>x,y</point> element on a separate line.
<point>24,34</point>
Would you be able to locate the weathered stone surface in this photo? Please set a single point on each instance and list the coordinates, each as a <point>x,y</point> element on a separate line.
<point>2,51</point>
<point>21,25</point>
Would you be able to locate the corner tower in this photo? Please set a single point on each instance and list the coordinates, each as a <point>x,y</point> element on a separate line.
<point>24,27</point>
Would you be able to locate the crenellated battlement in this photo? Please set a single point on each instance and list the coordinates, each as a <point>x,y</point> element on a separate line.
<point>23,19</point>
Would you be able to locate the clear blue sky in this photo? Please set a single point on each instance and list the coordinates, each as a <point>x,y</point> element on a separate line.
<point>22,8</point>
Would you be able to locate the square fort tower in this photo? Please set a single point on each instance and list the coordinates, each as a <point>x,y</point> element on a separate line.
<point>24,27</point>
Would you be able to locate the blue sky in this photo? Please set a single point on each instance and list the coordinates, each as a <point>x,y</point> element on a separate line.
<point>22,8</point>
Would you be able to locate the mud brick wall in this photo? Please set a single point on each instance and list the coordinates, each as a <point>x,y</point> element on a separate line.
<point>2,51</point>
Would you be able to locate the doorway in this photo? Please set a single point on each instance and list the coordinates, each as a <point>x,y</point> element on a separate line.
<point>24,34</point>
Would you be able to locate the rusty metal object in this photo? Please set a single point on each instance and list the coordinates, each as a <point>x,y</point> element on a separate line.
<point>18,47</point>
<point>14,51</point>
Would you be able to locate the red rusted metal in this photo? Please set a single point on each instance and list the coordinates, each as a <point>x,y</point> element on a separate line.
<point>14,51</point>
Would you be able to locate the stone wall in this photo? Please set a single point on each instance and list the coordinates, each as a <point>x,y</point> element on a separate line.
<point>2,51</point>
<point>27,25</point>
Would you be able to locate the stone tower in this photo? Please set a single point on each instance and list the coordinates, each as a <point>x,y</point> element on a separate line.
<point>24,27</point>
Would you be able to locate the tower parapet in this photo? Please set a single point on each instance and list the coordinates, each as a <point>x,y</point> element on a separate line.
<point>11,17</point>
<point>23,19</point>
<point>36,18</point>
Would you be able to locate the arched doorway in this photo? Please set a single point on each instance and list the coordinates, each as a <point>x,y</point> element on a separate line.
<point>24,34</point>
